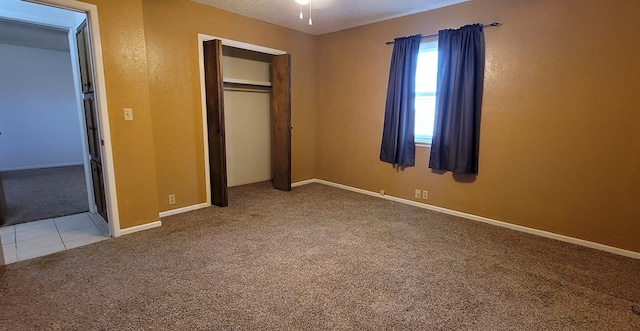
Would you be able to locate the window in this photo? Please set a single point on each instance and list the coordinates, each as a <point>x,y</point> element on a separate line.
<point>426,77</point>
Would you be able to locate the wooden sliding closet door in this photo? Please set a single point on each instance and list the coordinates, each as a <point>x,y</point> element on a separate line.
<point>281,122</point>
<point>214,86</point>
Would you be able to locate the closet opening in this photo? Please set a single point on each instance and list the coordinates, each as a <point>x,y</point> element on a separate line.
<point>247,103</point>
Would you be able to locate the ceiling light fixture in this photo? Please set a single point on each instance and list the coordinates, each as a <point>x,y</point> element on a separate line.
<point>303,3</point>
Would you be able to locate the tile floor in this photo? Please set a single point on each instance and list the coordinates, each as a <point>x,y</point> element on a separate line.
<point>28,240</point>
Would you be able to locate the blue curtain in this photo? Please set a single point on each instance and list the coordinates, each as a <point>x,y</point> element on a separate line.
<point>456,136</point>
<point>398,147</point>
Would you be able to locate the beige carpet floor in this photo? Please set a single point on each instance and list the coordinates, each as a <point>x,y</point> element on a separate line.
<point>38,194</point>
<point>320,258</point>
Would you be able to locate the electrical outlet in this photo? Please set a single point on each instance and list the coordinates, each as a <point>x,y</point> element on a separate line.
<point>172,199</point>
<point>417,194</point>
<point>425,194</point>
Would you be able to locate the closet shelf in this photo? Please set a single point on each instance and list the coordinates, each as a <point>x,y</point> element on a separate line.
<point>246,82</point>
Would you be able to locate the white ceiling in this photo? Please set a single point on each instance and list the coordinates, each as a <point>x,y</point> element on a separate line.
<point>328,15</point>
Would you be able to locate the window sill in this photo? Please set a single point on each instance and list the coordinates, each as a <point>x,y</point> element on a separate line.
<point>423,145</point>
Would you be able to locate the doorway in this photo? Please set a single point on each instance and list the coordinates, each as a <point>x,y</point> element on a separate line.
<point>71,21</point>
<point>41,150</point>
<point>229,68</point>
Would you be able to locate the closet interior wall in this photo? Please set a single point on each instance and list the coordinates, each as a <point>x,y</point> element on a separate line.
<point>247,107</point>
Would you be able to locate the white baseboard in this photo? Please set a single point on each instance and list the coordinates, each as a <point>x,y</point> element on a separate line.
<point>183,209</point>
<point>139,228</point>
<point>162,214</point>
<point>304,182</point>
<point>546,234</point>
<point>42,166</point>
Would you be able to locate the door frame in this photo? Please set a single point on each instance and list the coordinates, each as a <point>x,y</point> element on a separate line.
<point>203,96</point>
<point>91,11</point>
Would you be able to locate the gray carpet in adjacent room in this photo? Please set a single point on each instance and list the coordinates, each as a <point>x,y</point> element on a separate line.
<point>320,258</point>
<point>38,194</point>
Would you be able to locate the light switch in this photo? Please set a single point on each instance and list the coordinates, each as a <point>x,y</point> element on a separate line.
<point>128,114</point>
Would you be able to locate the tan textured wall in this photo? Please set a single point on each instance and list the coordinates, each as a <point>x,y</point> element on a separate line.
<point>125,65</point>
<point>560,135</point>
<point>171,33</point>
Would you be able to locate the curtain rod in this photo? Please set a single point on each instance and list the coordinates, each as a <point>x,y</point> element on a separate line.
<point>494,24</point>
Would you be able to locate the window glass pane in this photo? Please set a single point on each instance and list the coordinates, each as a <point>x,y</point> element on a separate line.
<point>426,79</point>
<point>425,113</point>
<point>427,72</point>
